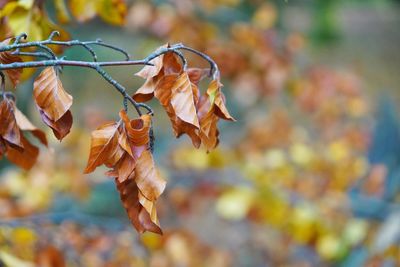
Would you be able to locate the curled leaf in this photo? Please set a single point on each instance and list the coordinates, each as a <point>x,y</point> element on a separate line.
<point>182,100</point>
<point>60,128</point>
<point>50,96</point>
<point>104,143</point>
<point>137,130</point>
<point>138,215</point>
<point>147,177</point>
<point>217,99</point>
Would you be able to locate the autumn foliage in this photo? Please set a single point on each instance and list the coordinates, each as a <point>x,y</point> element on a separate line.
<point>124,146</point>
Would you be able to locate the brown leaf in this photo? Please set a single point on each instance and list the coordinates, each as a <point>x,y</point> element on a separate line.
<point>104,143</point>
<point>50,95</point>
<point>147,177</point>
<point>25,125</point>
<point>197,74</point>
<point>148,72</point>
<point>217,99</point>
<point>146,91</point>
<point>7,57</point>
<point>137,130</point>
<point>164,65</point>
<point>208,123</point>
<point>8,126</point>
<point>182,100</point>
<point>124,142</point>
<point>26,157</point>
<point>125,167</point>
<point>138,215</point>
<point>61,127</point>
<point>171,64</point>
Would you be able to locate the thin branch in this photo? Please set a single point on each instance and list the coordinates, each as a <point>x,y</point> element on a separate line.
<point>50,59</point>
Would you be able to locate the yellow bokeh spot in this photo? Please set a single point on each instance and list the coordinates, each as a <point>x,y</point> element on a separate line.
<point>274,158</point>
<point>301,154</point>
<point>338,151</point>
<point>235,203</point>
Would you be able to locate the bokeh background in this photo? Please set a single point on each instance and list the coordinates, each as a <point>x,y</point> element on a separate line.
<point>309,175</point>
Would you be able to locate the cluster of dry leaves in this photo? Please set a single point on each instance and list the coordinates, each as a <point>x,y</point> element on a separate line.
<point>53,103</point>
<point>177,89</point>
<point>122,146</point>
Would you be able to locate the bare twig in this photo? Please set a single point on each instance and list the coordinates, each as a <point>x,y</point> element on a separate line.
<point>49,58</point>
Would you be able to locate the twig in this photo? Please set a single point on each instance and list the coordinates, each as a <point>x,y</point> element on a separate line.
<point>50,59</point>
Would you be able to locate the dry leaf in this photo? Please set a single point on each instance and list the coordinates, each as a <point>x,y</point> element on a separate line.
<point>182,100</point>
<point>104,143</point>
<point>138,215</point>
<point>147,177</point>
<point>25,125</point>
<point>50,95</point>
<point>26,157</point>
<point>7,57</point>
<point>217,99</point>
<point>61,127</point>
<point>9,130</point>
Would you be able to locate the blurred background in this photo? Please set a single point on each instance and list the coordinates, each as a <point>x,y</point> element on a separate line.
<point>309,175</point>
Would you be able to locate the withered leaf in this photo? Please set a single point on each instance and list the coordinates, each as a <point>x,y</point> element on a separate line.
<point>7,57</point>
<point>147,177</point>
<point>217,99</point>
<point>50,96</point>
<point>26,157</point>
<point>61,127</point>
<point>25,125</point>
<point>182,100</point>
<point>197,74</point>
<point>137,130</point>
<point>125,167</point>
<point>104,142</point>
<point>137,214</point>
<point>9,130</point>
<point>148,72</point>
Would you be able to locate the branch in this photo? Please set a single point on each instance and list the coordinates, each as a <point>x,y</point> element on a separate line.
<point>50,59</point>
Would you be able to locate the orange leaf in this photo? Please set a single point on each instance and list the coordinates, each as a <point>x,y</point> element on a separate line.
<point>197,74</point>
<point>146,91</point>
<point>8,126</point>
<point>25,125</point>
<point>137,130</point>
<point>50,95</point>
<point>147,177</point>
<point>61,127</point>
<point>182,100</point>
<point>217,99</point>
<point>125,167</point>
<point>7,57</point>
<point>138,215</point>
<point>25,158</point>
<point>104,142</point>
<point>148,72</point>
<point>171,64</point>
